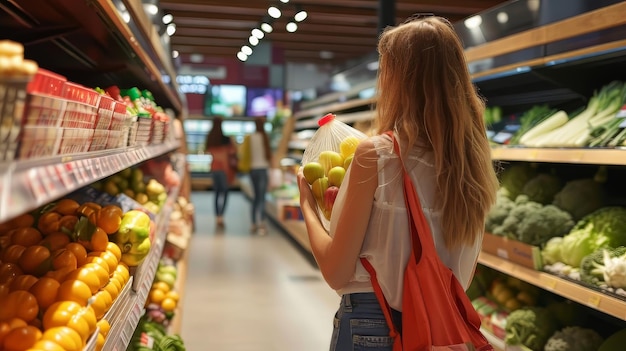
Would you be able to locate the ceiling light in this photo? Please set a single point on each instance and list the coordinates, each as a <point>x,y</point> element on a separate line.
<point>473,22</point>
<point>171,29</point>
<point>126,17</point>
<point>253,40</point>
<point>196,58</point>
<point>246,50</point>
<point>274,12</point>
<point>168,18</point>
<point>300,16</point>
<point>256,32</point>
<point>175,54</point>
<point>284,1</point>
<point>151,9</point>
<point>291,27</point>
<point>267,28</point>
<point>241,56</point>
<point>372,66</point>
<point>502,17</point>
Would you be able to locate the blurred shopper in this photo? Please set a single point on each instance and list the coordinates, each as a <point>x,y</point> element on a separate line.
<point>260,162</point>
<point>426,98</point>
<point>223,166</point>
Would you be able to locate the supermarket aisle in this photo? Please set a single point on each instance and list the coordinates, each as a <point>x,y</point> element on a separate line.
<point>251,293</point>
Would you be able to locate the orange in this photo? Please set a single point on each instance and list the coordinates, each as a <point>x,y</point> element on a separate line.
<point>108,257</point>
<point>13,253</point>
<point>74,290</point>
<point>55,241</point>
<point>64,258</point>
<point>156,296</point>
<point>115,250</point>
<point>23,282</point>
<point>22,221</point>
<point>86,275</point>
<point>60,274</point>
<point>25,236</point>
<point>123,270</point>
<point>66,337</point>
<point>112,289</point>
<point>66,207</point>
<point>79,251</point>
<point>19,304</point>
<point>45,291</point>
<point>21,338</point>
<point>47,345</point>
<point>101,303</point>
<point>115,280</point>
<point>104,326</point>
<point>173,295</point>
<point>100,339</point>
<point>95,259</point>
<point>99,270</point>
<point>69,314</point>
<point>161,286</point>
<point>34,260</point>
<point>168,304</point>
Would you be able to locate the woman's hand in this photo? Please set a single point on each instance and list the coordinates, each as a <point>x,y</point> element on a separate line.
<point>307,201</point>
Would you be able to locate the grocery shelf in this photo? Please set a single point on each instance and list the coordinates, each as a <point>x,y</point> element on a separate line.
<point>27,184</point>
<point>570,290</point>
<point>343,117</point>
<point>599,156</point>
<point>333,108</point>
<point>129,306</point>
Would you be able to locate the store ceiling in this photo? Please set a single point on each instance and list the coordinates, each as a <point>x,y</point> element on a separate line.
<point>334,31</point>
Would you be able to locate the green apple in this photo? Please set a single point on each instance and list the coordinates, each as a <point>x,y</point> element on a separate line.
<point>335,176</point>
<point>312,171</point>
<point>318,188</point>
<point>329,159</point>
<point>347,161</point>
<point>348,146</point>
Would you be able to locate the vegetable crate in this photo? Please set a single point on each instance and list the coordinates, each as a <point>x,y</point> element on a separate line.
<point>512,250</point>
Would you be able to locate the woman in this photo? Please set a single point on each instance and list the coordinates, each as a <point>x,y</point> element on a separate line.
<point>425,96</point>
<point>260,161</point>
<point>223,166</point>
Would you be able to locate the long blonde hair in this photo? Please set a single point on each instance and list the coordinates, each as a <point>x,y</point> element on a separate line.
<point>425,94</point>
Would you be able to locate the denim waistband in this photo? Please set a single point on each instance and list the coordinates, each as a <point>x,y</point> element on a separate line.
<point>354,299</point>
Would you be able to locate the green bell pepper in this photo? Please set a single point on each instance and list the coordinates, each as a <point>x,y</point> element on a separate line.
<point>133,237</point>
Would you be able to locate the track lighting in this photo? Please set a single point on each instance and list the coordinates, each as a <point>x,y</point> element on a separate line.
<point>274,12</point>
<point>267,28</point>
<point>246,50</point>
<point>291,27</point>
<point>300,16</point>
<point>241,56</point>
<point>258,33</point>
<point>253,40</point>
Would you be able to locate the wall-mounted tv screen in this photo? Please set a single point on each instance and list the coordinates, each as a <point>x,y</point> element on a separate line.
<point>262,102</point>
<point>225,100</point>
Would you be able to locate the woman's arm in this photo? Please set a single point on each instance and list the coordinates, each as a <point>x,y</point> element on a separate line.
<point>337,255</point>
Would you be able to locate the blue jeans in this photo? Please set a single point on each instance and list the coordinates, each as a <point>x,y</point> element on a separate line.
<point>220,187</point>
<point>259,180</point>
<point>360,325</point>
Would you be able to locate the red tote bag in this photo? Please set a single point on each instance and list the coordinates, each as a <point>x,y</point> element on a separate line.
<point>437,315</point>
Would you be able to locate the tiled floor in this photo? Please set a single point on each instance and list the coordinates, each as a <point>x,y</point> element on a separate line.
<point>251,293</point>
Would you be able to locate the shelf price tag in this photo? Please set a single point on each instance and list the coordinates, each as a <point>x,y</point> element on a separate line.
<point>594,300</point>
<point>551,284</point>
<point>36,187</point>
<point>53,182</point>
<point>65,178</point>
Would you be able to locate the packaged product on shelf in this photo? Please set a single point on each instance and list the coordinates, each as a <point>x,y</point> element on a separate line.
<point>15,74</point>
<point>326,160</point>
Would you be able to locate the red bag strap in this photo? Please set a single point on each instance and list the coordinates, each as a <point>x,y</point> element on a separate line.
<point>384,305</point>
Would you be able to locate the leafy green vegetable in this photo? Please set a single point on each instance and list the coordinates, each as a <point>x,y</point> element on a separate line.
<point>530,119</point>
<point>530,326</point>
<point>574,339</point>
<point>589,272</point>
<point>542,188</point>
<point>551,252</point>
<point>603,228</point>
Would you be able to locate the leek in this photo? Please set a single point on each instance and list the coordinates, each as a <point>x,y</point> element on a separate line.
<point>549,124</point>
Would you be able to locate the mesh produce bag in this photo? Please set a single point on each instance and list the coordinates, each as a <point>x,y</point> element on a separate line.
<point>326,159</point>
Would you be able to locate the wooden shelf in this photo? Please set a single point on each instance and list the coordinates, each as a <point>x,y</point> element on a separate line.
<point>570,290</point>
<point>333,108</point>
<point>577,156</point>
<point>343,117</point>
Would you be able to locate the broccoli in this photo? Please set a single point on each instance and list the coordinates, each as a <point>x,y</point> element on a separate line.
<point>522,208</point>
<point>498,212</point>
<point>589,272</point>
<point>574,339</point>
<point>530,326</point>
<point>542,188</point>
<point>547,222</point>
